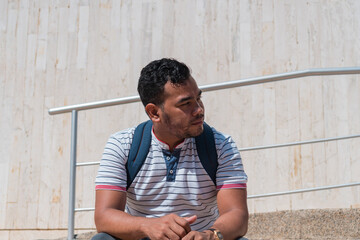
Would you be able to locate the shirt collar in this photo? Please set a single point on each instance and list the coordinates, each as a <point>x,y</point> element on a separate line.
<point>165,146</point>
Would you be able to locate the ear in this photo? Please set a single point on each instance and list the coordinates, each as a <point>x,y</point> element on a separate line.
<point>153,112</point>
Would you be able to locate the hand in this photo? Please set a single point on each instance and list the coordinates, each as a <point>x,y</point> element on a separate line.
<point>194,235</point>
<point>168,227</point>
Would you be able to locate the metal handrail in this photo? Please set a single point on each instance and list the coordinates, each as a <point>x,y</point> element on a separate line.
<point>299,143</point>
<point>268,147</point>
<point>304,190</point>
<point>216,86</point>
<point>212,87</point>
<point>265,146</point>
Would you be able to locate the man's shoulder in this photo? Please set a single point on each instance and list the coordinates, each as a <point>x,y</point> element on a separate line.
<point>222,140</point>
<point>124,136</point>
<point>219,136</point>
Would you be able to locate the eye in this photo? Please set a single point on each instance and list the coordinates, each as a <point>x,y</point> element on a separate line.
<point>185,103</point>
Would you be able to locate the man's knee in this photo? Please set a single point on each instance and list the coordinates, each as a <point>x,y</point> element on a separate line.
<point>104,236</point>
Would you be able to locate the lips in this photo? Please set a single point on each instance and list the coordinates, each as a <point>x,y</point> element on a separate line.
<point>198,121</point>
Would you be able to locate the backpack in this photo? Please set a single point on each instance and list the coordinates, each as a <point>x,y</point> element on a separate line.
<point>205,145</point>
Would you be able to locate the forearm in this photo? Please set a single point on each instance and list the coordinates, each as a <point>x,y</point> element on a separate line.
<point>232,224</point>
<point>120,224</point>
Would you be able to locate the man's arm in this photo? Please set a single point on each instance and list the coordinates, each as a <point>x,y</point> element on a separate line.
<point>111,218</point>
<point>234,215</point>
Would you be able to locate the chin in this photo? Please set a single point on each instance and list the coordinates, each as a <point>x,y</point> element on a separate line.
<point>198,131</point>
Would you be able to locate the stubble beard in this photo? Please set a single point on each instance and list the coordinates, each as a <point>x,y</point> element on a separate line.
<point>179,131</point>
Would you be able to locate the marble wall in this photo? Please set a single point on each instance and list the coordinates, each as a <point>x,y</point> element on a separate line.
<point>64,52</point>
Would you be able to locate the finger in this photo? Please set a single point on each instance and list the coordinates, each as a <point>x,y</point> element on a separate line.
<point>171,234</point>
<point>191,219</point>
<point>189,236</point>
<point>180,230</point>
<point>184,226</point>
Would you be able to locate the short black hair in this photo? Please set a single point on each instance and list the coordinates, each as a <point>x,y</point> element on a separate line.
<point>156,74</point>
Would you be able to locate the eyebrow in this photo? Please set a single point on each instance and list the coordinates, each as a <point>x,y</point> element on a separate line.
<point>188,98</point>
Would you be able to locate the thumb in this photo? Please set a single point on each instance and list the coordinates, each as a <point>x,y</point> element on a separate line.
<point>191,219</point>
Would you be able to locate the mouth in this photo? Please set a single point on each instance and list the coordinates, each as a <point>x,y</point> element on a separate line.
<point>198,122</point>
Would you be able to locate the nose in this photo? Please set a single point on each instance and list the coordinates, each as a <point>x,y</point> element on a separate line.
<point>198,109</point>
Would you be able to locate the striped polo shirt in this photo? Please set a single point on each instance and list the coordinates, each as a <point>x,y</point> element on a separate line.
<point>171,182</point>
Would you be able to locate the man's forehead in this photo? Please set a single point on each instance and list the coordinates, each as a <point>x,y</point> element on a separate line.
<point>188,85</point>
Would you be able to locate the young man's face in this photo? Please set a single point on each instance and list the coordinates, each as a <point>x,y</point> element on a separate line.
<point>182,112</point>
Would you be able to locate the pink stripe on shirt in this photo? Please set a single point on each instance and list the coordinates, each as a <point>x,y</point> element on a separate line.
<point>109,187</point>
<point>241,185</point>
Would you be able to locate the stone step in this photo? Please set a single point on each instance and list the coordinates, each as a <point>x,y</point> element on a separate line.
<point>301,224</point>
<point>306,224</point>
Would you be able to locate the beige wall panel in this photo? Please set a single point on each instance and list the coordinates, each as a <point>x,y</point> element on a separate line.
<point>58,53</point>
<point>83,37</point>
<point>4,166</point>
<point>3,15</point>
<point>62,35</point>
<point>53,200</point>
<point>4,235</point>
<point>355,165</point>
<point>10,54</point>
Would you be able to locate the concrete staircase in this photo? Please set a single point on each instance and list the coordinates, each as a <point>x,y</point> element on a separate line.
<point>301,224</point>
<point>306,224</point>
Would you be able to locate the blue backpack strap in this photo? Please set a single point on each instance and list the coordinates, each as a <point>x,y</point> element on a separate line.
<point>205,145</point>
<point>139,150</point>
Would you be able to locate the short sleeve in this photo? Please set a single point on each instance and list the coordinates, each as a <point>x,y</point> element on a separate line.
<point>112,172</point>
<point>230,173</point>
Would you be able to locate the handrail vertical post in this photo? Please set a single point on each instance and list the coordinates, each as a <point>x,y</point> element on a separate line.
<point>74,118</point>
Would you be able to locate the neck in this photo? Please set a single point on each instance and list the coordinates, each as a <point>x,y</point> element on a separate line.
<point>169,139</point>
